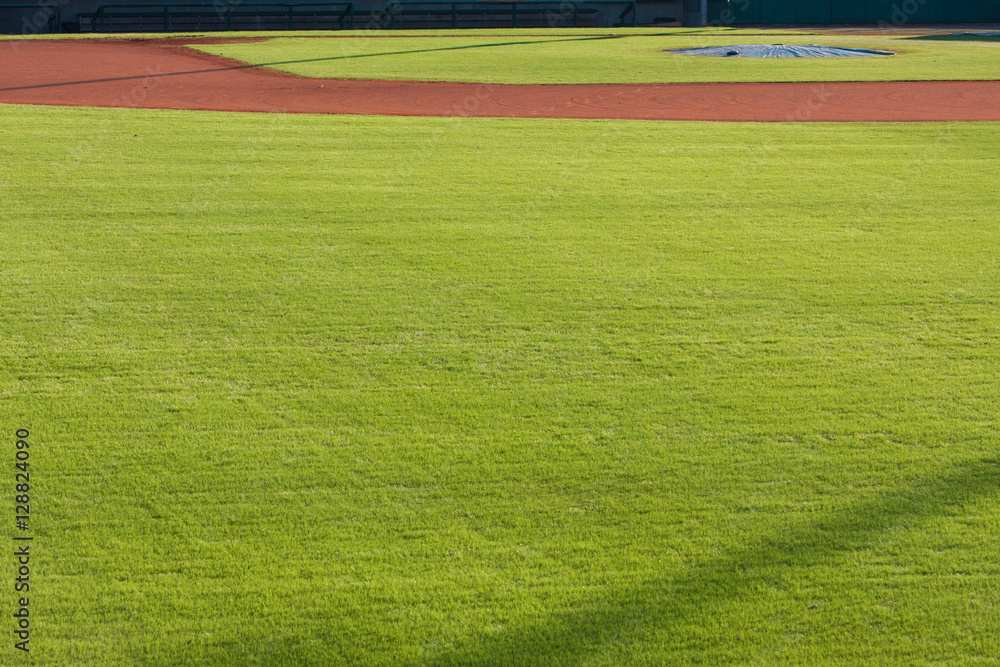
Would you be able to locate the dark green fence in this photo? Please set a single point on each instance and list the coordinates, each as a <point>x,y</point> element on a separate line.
<point>218,15</point>
<point>523,13</point>
<point>891,12</point>
<point>47,16</point>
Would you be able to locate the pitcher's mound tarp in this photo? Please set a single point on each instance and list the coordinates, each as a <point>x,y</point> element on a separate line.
<point>779,51</point>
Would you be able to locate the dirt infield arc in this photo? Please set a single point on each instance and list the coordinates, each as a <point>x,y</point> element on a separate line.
<point>162,74</point>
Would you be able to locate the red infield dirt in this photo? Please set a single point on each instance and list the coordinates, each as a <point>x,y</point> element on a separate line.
<point>163,74</point>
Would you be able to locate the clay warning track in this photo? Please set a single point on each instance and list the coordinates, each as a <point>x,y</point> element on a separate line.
<point>162,74</point>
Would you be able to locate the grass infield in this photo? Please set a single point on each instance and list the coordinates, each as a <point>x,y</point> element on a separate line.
<point>615,58</point>
<point>382,391</point>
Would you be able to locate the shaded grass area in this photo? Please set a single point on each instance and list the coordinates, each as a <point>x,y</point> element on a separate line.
<point>993,37</point>
<point>613,58</point>
<point>381,391</point>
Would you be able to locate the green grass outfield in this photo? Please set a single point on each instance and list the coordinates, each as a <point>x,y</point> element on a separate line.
<point>589,56</point>
<point>322,390</point>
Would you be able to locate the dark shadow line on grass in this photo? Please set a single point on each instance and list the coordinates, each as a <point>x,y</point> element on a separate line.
<point>157,75</point>
<point>972,37</point>
<point>692,597</point>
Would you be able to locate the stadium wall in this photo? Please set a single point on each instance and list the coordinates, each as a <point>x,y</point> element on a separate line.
<point>39,18</point>
<point>893,13</point>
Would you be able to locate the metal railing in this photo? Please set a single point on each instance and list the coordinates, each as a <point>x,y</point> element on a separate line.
<point>221,12</point>
<point>166,15</point>
<point>567,10</point>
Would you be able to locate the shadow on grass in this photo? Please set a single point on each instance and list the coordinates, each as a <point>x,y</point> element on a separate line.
<point>448,48</point>
<point>307,60</point>
<point>685,603</point>
<point>972,37</point>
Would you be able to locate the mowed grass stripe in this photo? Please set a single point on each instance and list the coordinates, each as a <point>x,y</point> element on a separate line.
<point>380,391</point>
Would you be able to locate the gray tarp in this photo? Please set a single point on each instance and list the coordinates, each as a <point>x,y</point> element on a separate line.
<point>779,51</point>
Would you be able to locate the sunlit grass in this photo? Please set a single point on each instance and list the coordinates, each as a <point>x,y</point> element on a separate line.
<point>613,58</point>
<point>380,391</point>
